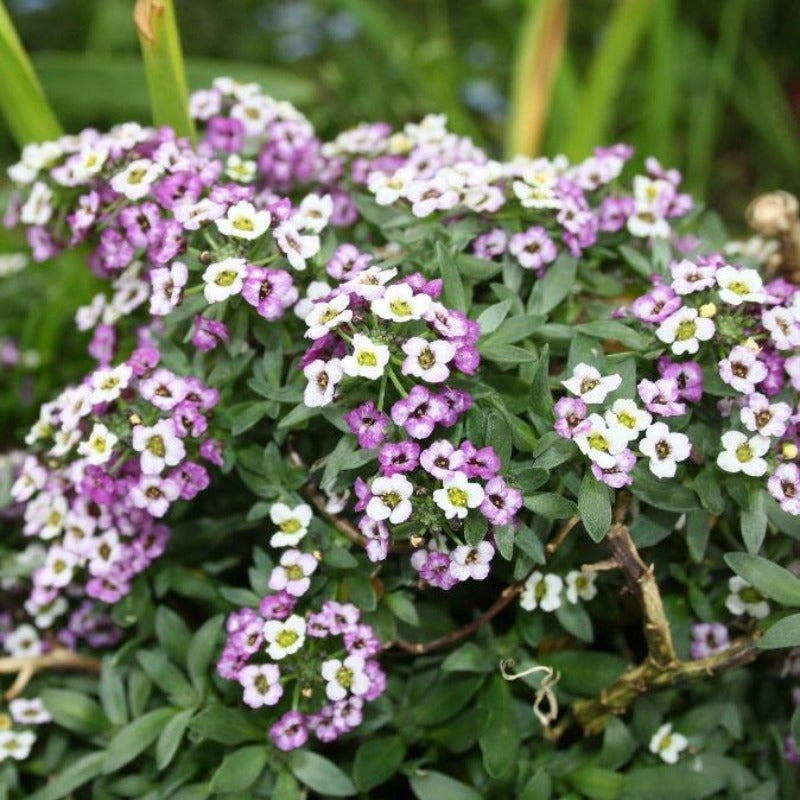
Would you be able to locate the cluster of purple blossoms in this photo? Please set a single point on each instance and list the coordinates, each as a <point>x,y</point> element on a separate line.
<point>330,655</point>
<point>113,455</point>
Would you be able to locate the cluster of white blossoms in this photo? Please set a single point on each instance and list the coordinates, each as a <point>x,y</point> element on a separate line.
<point>547,591</point>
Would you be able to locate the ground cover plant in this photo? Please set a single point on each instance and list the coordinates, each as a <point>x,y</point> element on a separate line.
<point>399,468</point>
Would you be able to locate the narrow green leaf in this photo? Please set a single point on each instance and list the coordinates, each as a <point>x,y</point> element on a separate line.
<point>557,283</point>
<point>201,651</point>
<point>22,101</point>
<point>771,580</point>
<point>499,736</point>
<point>240,769</point>
<point>784,633</point>
<point>75,775</point>
<point>171,737</point>
<point>135,738</point>
<point>376,761</point>
<point>594,506</point>
<point>75,711</point>
<point>320,774</point>
<point>437,786</point>
<point>112,693</point>
<point>753,521</point>
<point>163,63</point>
<point>453,294</point>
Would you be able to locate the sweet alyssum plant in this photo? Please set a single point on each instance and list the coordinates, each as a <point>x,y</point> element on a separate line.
<point>378,426</point>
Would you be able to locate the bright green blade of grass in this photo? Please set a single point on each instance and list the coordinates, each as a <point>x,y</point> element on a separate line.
<point>706,119</point>
<point>22,100</point>
<point>540,49</point>
<point>607,72</point>
<point>163,65</point>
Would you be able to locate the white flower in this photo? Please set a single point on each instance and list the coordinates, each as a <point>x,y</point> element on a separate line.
<point>737,286</point>
<point>745,599</point>
<point>324,317</point>
<point>742,370</point>
<point>136,179</point>
<point>645,222</point>
<point>664,449</point>
<point>769,419</point>
<point>16,744</point>
<point>390,499</point>
<point>400,304</point>
<point>239,169</point>
<point>224,279</point>
<point>108,382</point>
<point>345,676</point>
<point>628,417</point>
<point>44,515</point>
<point>588,384</point>
<point>314,213</point>
<point>457,496</point>
<point>38,208</point>
<point>668,745</point>
<point>315,290</point>
<point>261,684</point>
<point>323,378</point>
<point>368,359</point>
<point>684,330</point>
<point>537,187</point>
<point>581,586</point>
<point>296,247</point>
<point>292,522</point>
<point>23,642</point>
<point>29,711</point>
<point>284,637</point>
<point>541,591</point>
<point>471,562</point>
<point>388,189</point>
<point>99,447</point>
<point>369,282</point>
<point>428,360</point>
<point>741,454</point>
<point>602,443</point>
<point>242,221</point>
<point>11,263</point>
<point>159,445</point>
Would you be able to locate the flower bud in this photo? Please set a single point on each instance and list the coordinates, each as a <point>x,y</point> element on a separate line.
<point>789,450</point>
<point>709,311</point>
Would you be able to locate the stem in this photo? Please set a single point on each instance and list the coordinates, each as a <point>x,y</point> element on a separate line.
<point>58,658</point>
<point>396,381</point>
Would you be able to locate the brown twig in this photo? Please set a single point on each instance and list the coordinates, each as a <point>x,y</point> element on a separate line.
<point>661,667</point>
<point>26,667</point>
<point>505,598</point>
<point>562,534</point>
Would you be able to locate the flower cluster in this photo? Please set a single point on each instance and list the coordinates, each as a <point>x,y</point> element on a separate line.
<point>16,735</point>
<point>113,454</point>
<point>548,591</point>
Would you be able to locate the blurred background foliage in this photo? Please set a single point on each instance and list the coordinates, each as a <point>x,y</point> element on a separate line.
<point>709,86</point>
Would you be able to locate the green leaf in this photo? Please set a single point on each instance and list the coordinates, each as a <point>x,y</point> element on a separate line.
<point>171,737</point>
<point>753,520</point>
<point>241,769</point>
<point>475,528</point>
<point>469,658</point>
<point>550,505</point>
<point>594,506</point>
<point>574,619</point>
<point>135,738</point>
<point>172,633</point>
<point>163,64</point>
<point>541,397</point>
<point>447,697</point>
<point>506,354</point>
<point>618,744</point>
<point>499,736</point>
<point>74,776</point>
<point>515,329</point>
<point>585,673</point>
<point>504,539</point>
<point>376,761</point>
<point>557,283</point>
<point>75,711</point>
<point>770,579</point>
<point>597,783</point>
<point>229,726</point>
<point>201,650</point>
<point>683,781</point>
<point>111,689</point>
<point>784,633</point>
<point>795,726</point>
<point>490,319</point>
<point>616,331</point>
<point>320,774</point>
<point>403,607</point>
<point>436,786</point>
<point>167,677</point>
<point>539,787</point>
<point>453,294</point>
<point>22,102</point>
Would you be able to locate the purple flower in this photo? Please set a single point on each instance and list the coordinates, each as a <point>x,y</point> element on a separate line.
<point>500,502</point>
<point>103,342</point>
<point>441,459</point>
<point>377,535</point>
<point>211,450</point>
<point>456,402</point>
<point>533,248</point>
<point>225,134</point>
<point>419,412</point>
<point>688,375</point>
<point>277,606</point>
<point>571,418</point>
<point>479,463</point>
<point>618,475</point>
<point>290,731</point>
<point>191,479</point>
<point>434,568</point>
<point>657,305</point>
<point>208,333</point>
<point>270,291</point>
<point>368,424</point>
<point>661,397</point>
<point>708,639</point>
<point>398,457</point>
<point>491,244</point>
<point>784,486</point>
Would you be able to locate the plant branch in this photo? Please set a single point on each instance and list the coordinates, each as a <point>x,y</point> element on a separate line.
<point>26,668</point>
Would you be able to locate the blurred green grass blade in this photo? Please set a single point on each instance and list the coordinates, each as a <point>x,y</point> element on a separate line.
<point>114,89</point>
<point>539,52</point>
<point>564,106</point>
<point>706,119</point>
<point>607,72</point>
<point>22,101</point>
<point>657,128</point>
<point>425,68</point>
<point>163,65</point>
<point>110,29</point>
